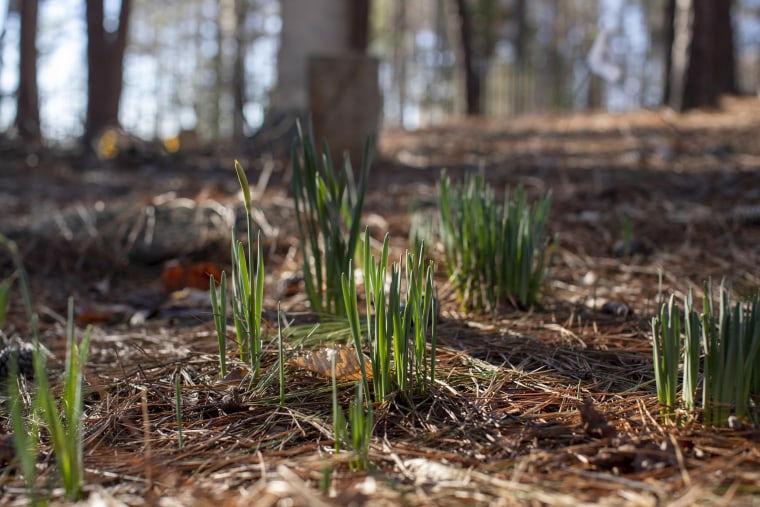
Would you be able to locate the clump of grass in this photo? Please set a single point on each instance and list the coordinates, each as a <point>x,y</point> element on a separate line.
<point>219,307</point>
<point>398,330</point>
<point>25,437</point>
<point>729,355</point>
<point>247,292</point>
<point>67,429</point>
<point>339,419</point>
<point>691,353</point>
<point>361,421</point>
<point>494,252</point>
<point>666,333</point>
<point>328,206</point>
<point>731,344</point>
<point>65,426</point>
<point>5,290</point>
<point>357,433</point>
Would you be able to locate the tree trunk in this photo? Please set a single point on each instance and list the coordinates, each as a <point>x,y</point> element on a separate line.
<point>358,35</point>
<point>399,56</point>
<point>701,60</point>
<point>669,35</point>
<point>238,78</point>
<point>105,69</point>
<point>28,110</point>
<point>216,90</point>
<point>308,27</point>
<point>471,77</point>
<point>724,48</point>
<point>521,32</point>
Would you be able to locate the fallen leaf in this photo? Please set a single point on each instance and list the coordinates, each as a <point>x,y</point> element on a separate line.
<point>346,363</point>
<point>177,276</point>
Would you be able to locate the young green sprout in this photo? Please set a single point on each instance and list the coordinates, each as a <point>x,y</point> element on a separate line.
<point>666,350</point>
<point>219,308</point>
<point>725,344</point>
<point>495,252</point>
<point>247,288</point>
<point>328,207</point>
<point>398,330</point>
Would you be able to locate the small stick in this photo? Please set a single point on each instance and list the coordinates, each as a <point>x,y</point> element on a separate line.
<point>147,454</point>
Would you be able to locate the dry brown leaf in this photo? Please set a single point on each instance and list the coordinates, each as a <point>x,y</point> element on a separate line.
<point>177,276</point>
<point>346,363</point>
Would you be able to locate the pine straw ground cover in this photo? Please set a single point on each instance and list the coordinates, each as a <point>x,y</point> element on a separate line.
<point>555,406</point>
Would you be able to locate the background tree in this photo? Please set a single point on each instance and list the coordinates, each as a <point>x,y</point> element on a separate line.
<point>309,28</point>
<point>238,77</point>
<point>358,34</point>
<point>27,108</point>
<point>520,38</point>
<point>467,56</point>
<point>105,67</point>
<point>701,63</point>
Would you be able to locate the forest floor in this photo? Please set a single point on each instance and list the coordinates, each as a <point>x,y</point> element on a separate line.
<point>504,424</point>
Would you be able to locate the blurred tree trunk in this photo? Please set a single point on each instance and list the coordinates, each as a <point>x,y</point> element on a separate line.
<point>724,41</point>
<point>595,92</point>
<point>216,90</point>
<point>238,77</point>
<point>399,56</point>
<point>701,59</point>
<point>471,76</point>
<point>358,35</point>
<point>669,36</point>
<point>105,69</point>
<point>28,110</point>
<point>521,32</point>
<point>309,27</point>
<point>3,32</point>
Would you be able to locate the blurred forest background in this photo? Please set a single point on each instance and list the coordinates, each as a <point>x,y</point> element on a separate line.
<point>192,73</point>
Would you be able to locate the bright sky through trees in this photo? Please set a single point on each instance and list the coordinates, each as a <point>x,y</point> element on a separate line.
<point>167,65</point>
<point>61,44</point>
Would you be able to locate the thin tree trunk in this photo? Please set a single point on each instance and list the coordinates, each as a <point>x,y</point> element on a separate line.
<point>701,65</point>
<point>358,35</point>
<point>669,29</point>
<point>309,27</point>
<point>521,35</point>
<point>700,87</point>
<point>28,110</point>
<point>105,58</point>
<point>471,77</point>
<point>399,57</point>
<point>218,87</point>
<point>724,48</point>
<point>238,78</point>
